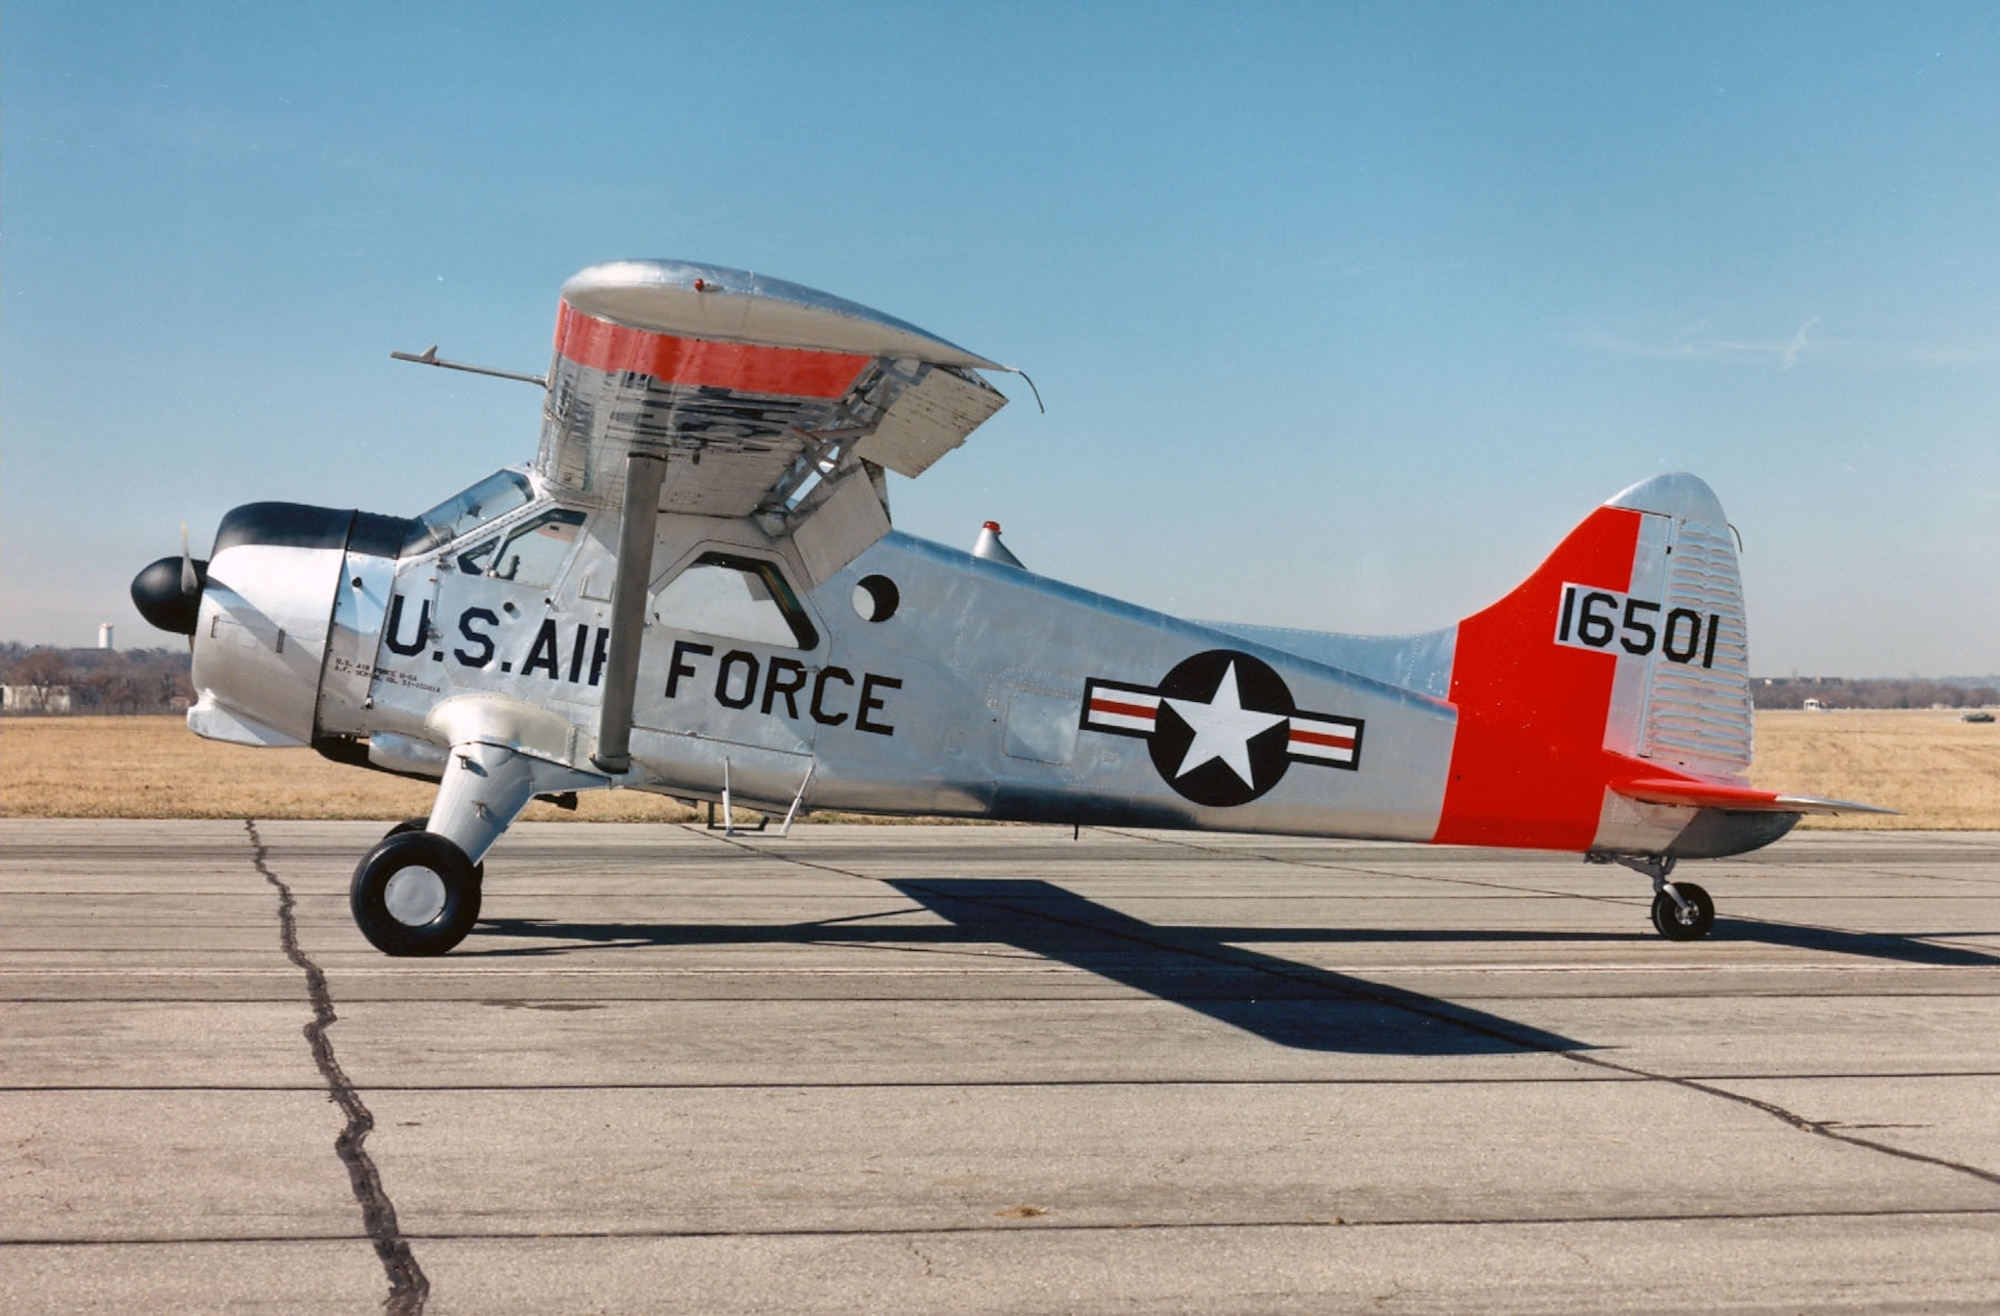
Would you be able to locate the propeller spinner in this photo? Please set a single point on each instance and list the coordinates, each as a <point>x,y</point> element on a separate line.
<point>168,593</point>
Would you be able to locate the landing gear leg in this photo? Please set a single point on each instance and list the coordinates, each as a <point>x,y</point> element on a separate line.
<point>418,892</point>
<point>1682,911</point>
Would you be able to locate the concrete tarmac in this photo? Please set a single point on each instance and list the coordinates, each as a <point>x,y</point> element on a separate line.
<point>995,1069</point>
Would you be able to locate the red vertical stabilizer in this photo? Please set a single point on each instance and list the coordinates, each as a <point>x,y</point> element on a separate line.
<point>1528,767</point>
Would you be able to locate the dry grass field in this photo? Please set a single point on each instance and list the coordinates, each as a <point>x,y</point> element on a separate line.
<point>153,767</point>
<point>1941,772</point>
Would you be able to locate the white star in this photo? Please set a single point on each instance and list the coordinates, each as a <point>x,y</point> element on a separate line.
<point>1223,728</point>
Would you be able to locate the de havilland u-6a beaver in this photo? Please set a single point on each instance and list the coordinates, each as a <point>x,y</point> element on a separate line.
<point>694,590</point>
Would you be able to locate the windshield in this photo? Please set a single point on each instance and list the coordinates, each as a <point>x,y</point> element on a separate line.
<point>534,550</point>
<point>497,494</point>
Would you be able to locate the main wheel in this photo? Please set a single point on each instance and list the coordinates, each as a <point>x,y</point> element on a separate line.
<point>415,894</point>
<point>1677,924</point>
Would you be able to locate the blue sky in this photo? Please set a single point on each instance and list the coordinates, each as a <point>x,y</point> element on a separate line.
<point>1343,314</point>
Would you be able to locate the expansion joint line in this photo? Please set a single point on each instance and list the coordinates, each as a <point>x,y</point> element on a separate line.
<point>408,1288</point>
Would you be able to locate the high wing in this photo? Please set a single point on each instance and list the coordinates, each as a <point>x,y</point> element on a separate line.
<point>747,388</point>
<point>684,388</point>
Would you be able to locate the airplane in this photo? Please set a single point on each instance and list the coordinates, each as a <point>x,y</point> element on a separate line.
<point>695,590</point>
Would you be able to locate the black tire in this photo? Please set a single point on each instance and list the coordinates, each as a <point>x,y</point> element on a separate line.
<point>422,824</point>
<point>1677,924</point>
<point>430,910</point>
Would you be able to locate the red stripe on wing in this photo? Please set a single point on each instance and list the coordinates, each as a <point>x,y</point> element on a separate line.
<point>703,363</point>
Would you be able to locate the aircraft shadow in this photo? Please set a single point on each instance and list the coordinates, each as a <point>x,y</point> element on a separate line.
<point>1875,945</point>
<point>1281,1001</point>
<point>1872,945</point>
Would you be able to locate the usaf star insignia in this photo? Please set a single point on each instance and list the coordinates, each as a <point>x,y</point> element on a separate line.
<point>1221,727</point>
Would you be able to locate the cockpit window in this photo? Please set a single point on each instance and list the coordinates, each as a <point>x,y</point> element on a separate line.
<point>739,598</point>
<point>529,554</point>
<point>496,495</point>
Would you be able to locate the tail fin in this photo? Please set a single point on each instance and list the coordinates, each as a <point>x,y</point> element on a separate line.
<point>1623,658</point>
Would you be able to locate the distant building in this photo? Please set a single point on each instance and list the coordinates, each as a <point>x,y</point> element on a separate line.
<point>35,698</point>
<point>104,636</point>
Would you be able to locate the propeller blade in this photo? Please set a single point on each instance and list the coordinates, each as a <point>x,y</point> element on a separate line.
<point>190,582</point>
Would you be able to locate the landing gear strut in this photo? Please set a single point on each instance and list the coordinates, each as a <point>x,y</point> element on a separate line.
<point>1682,911</point>
<point>417,893</point>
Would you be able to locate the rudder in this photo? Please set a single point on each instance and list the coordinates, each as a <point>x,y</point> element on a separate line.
<point>1626,649</point>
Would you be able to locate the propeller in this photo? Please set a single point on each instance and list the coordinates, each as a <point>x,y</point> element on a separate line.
<point>168,593</point>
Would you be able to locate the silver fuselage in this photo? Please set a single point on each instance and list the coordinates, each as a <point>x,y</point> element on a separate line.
<point>971,699</point>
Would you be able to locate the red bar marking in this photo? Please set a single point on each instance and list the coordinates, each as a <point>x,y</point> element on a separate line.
<point>1123,710</point>
<point>1303,737</point>
<point>701,363</point>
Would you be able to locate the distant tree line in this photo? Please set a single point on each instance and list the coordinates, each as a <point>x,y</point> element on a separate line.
<point>1885,692</point>
<point>98,680</point>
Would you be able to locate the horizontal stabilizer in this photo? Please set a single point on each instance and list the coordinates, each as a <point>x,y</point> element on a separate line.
<point>1722,795</point>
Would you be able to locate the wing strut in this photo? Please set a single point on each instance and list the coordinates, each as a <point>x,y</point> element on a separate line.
<point>644,473</point>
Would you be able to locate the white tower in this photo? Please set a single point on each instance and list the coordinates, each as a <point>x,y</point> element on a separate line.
<point>104,635</point>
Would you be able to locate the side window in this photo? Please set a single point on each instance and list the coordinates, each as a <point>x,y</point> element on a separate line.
<point>529,554</point>
<point>739,598</point>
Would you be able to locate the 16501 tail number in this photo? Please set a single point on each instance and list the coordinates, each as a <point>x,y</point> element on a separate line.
<point>1606,619</point>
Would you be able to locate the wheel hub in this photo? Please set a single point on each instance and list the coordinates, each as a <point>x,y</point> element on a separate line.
<point>414,896</point>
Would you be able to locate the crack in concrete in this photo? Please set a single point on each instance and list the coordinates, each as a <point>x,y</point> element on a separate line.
<point>923,1258</point>
<point>408,1287</point>
<point>1821,1128</point>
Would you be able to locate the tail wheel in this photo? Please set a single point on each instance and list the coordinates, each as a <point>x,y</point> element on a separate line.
<point>415,894</point>
<point>1678,924</point>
